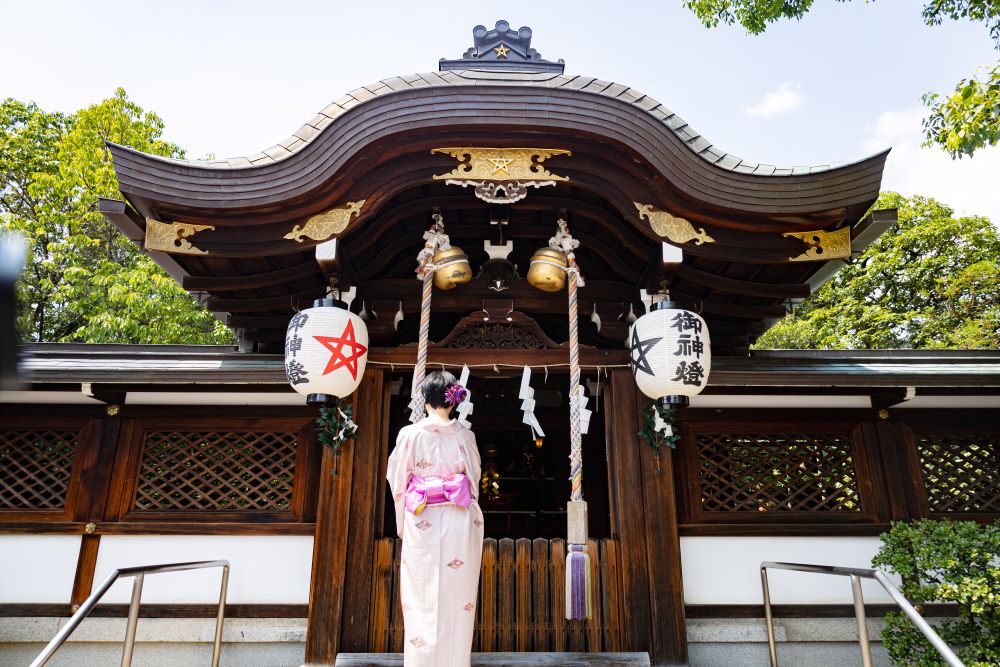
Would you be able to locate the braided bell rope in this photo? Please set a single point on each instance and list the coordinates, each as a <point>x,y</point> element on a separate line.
<point>564,242</point>
<point>434,239</point>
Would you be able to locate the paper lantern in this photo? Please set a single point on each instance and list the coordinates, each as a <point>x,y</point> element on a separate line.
<point>671,353</point>
<point>326,349</point>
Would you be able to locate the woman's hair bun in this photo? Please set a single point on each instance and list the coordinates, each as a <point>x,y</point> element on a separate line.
<point>435,386</point>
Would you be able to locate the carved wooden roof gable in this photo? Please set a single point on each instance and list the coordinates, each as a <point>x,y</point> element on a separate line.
<point>515,331</point>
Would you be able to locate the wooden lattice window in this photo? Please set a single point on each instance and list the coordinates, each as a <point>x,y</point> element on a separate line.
<point>35,468</point>
<point>961,472</point>
<point>777,473</point>
<point>207,470</point>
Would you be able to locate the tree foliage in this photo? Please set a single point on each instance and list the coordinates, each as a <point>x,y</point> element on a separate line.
<point>961,123</point>
<point>84,280</point>
<point>952,562</point>
<point>932,281</point>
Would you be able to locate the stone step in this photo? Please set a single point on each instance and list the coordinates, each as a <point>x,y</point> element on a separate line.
<point>508,659</point>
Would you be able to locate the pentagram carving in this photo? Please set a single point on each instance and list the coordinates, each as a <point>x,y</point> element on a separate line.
<point>640,348</point>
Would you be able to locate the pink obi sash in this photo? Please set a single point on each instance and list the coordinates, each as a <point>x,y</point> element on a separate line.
<point>423,491</point>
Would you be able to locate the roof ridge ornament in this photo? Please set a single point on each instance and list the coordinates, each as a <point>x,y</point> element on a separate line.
<point>502,49</point>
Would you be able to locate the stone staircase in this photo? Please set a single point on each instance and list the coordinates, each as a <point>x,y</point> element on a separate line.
<point>508,659</point>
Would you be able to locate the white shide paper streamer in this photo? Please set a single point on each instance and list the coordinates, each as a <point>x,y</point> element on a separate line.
<point>527,396</point>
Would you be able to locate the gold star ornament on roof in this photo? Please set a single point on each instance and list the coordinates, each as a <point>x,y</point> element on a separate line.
<point>500,164</point>
<point>501,51</point>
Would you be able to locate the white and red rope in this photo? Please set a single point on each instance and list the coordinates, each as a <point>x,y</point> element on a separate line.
<point>434,240</point>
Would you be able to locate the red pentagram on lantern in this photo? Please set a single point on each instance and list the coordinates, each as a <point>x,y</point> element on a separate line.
<point>336,346</point>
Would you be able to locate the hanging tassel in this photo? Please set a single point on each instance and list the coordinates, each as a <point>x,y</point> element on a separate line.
<point>579,604</point>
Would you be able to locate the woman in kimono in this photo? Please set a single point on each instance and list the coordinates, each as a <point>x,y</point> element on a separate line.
<point>434,473</point>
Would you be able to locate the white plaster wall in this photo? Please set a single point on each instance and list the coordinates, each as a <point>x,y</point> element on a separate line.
<point>37,568</point>
<point>271,569</point>
<point>726,570</point>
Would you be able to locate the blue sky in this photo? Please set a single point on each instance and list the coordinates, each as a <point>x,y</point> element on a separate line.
<point>232,78</point>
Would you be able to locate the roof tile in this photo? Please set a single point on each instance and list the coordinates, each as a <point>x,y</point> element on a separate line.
<point>361,94</point>
<point>614,90</point>
<point>277,152</point>
<point>306,132</point>
<point>580,82</point>
<point>728,161</point>
<point>647,103</point>
<point>597,86</point>
<point>396,83</point>
<point>699,144</point>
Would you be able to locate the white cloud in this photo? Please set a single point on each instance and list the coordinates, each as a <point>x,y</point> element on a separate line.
<point>971,186</point>
<point>782,99</point>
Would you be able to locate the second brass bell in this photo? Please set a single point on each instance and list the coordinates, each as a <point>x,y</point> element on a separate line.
<point>453,268</point>
<point>547,271</point>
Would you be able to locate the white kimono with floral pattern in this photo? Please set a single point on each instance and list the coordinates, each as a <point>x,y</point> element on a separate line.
<point>442,547</point>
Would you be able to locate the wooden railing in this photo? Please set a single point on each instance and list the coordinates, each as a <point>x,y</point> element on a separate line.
<point>521,598</point>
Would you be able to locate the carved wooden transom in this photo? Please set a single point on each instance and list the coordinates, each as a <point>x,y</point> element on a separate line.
<point>513,331</point>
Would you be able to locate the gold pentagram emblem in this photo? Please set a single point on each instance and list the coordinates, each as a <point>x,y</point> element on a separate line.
<point>500,164</point>
<point>501,51</point>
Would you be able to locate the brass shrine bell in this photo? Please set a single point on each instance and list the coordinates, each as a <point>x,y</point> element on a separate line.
<point>547,270</point>
<point>453,268</point>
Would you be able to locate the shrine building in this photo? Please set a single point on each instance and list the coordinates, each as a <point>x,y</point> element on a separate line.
<point>123,455</point>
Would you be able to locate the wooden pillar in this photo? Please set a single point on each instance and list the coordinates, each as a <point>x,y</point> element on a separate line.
<point>344,539</point>
<point>644,520</point>
<point>89,491</point>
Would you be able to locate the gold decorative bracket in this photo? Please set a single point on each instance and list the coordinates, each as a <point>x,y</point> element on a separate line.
<point>322,226</point>
<point>173,237</point>
<point>501,164</point>
<point>823,246</point>
<point>669,226</point>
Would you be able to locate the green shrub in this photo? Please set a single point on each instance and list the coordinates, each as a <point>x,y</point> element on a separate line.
<point>945,562</point>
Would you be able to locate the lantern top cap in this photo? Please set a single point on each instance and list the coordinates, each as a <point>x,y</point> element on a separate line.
<point>329,303</point>
<point>668,303</point>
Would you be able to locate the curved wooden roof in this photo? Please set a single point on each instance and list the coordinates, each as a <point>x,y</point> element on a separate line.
<point>375,144</point>
<point>306,162</point>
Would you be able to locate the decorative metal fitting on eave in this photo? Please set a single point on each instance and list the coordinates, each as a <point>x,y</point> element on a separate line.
<point>501,175</point>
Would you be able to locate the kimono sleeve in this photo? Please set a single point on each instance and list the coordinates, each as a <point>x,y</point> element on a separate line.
<point>398,472</point>
<point>475,465</point>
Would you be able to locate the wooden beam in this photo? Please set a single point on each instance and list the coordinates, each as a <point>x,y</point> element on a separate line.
<point>252,281</point>
<point>298,300</point>
<point>742,287</point>
<point>469,297</point>
<point>404,356</point>
<point>401,246</point>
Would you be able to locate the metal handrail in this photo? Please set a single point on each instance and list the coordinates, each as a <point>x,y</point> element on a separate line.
<point>133,609</point>
<point>856,574</point>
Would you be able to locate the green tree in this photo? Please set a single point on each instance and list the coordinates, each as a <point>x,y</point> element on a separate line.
<point>951,562</point>
<point>84,280</point>
<point>961,123</point>
<point>932,281</point>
